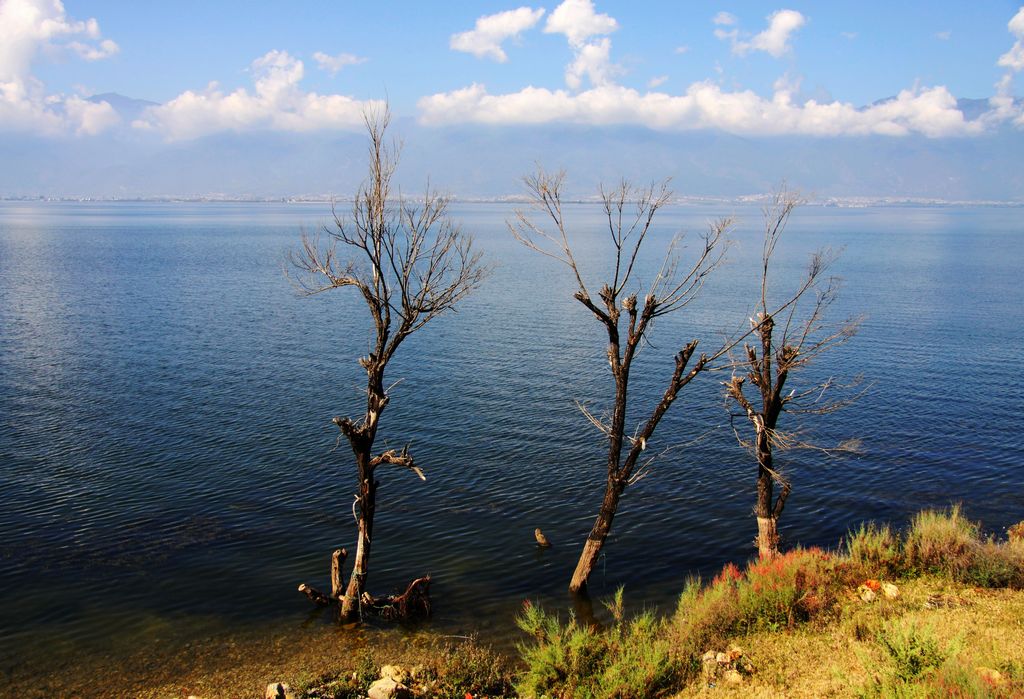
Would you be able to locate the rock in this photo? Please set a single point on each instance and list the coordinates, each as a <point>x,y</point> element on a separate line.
<point>395,672</point>
<point>388,689</point>
<point>279,690</point>
<point>735,652</point>
<point>890,591</point>
<point>709,657</point>
<point>733,677</point>
<point>722,658</point>
<point>542,540</point>
<point>989,675</point>
<point>866,593</point>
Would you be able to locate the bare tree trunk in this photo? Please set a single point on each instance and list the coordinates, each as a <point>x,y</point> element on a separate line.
<point>767,524</point>
<point>598,534</point>
<point>769,509</point>
<point>767,537</point>
<point>366,506</point>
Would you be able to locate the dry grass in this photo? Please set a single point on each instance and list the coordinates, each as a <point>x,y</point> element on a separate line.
<point>845,659</point>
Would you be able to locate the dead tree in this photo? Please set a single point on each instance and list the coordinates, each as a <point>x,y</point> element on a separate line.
<point>790,336</point>
<point>626,318</point>
<point>410,263</point>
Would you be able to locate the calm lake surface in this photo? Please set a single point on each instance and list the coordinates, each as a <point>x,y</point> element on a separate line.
<point>168,466</point>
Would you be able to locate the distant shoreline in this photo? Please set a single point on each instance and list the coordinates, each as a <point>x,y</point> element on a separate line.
<point>827,202</point>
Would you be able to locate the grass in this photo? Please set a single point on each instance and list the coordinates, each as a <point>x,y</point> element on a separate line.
<point>628,659</point>
<point>936,639</point>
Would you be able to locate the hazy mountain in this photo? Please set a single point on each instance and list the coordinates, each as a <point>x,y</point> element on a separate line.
<point>128,108</point>
<point>483,161</point>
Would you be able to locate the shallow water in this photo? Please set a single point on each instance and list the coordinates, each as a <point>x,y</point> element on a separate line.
<point>167,461</point>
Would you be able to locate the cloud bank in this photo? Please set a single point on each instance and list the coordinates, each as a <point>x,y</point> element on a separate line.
<point>276,102</point>
<point>705,105</point>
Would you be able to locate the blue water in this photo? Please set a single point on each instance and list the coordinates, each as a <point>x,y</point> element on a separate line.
<point>167,459</point>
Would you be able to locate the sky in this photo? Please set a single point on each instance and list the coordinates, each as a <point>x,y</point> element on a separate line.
<point>750,69</point>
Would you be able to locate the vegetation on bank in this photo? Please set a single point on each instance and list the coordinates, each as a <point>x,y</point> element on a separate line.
<point>935,611</point>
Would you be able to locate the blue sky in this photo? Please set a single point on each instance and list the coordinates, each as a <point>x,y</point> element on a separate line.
<point>635,63</point>
<point>167,48</point>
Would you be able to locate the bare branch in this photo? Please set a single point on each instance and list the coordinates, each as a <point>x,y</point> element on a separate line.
<point>593,419</point>
<point>398,458</point>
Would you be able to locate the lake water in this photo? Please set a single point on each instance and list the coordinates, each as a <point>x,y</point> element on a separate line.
<point>167,461</point>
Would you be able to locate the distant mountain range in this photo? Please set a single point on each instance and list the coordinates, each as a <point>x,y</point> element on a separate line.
<point>477,161</point>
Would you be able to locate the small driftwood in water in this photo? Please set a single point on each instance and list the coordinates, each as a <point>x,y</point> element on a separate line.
<point>542,540</point>
<point>337,580</point>
<point>315,596</point>
<point>414,603</point>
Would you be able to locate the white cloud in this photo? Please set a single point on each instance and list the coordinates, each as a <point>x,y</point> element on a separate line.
<point>850,36</point>
<point>930,112</point>
<point>485,38</point>
<point>944,35</point>
<point>681,49</point>
<point>333,64</point>
<point>591,59</point>
<point>657,81</point>
<point>91,117</point>
<point>593,62</point>
<point>724,34</point>
<point>29,28</point>
<point>1014,58</point>
<point>578,21</point>
<point>726,19</point>
<point>105,49</point>
<point>276,102</point>
<point>774,40</point>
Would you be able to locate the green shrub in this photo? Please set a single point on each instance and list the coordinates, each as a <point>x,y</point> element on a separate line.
<point>705,617</point>
<point>799,586</point>
<point>1015,534</point>
<point>945,543</point>
<point>630,659</point>
<point>791,588</point>
<point>469,667</point>
<point>996,565</point>
<point>941,543</point>
<point>875,550</point>
<point>913,650</point>
<point>919,665</point>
